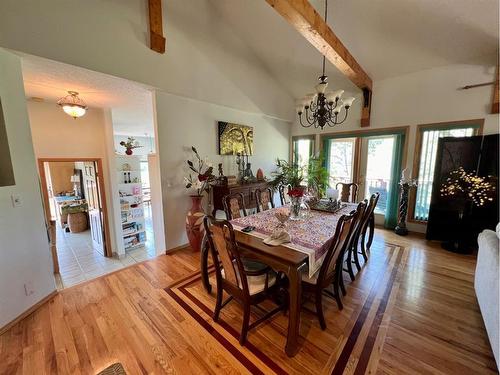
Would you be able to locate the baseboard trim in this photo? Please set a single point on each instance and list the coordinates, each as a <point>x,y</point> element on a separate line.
<point>176,249</point>
<point>32,309</point>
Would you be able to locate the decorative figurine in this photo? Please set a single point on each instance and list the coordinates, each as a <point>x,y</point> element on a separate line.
<point>248,175</point>
<point>406,184</point>
<point>221,180</point>
<point>240,162</point>
<point>260,175</point>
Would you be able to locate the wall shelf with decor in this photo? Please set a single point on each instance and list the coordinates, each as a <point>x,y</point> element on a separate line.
<point>131,204</point>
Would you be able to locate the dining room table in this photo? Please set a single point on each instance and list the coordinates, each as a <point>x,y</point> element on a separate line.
<point>310,239</point>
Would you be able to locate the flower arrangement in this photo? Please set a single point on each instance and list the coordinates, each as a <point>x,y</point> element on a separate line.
<point>203,174</point>
<point>468,186</point>
<point>296,192</point>
<point>129,145</point>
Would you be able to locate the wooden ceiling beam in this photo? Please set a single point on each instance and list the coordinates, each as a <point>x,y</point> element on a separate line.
<point>309,23</point>
<point>157,40</point>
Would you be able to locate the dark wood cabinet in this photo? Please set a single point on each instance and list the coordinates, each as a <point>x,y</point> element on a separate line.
<point>248,191</point>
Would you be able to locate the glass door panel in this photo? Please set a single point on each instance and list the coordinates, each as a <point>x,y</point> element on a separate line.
<point>341,160</point>
<point>376,168</point>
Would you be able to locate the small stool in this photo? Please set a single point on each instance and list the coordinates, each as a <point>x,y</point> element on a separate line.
<point>77,221</point>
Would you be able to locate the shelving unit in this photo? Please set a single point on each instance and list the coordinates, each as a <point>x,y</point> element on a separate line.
<point>130,198</point>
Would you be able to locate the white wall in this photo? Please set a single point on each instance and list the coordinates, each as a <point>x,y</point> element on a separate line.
<point>183,123</point>
<point>428,96</point>
<point>204,58</point>
<point>57,135</point>
<point>24,250</point>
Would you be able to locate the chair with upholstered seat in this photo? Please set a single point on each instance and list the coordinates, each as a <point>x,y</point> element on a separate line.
<point>248,286</point>
<point>264,198</point>
<point>234,206</point>
<point>348,191</point>
<point>330,273</point>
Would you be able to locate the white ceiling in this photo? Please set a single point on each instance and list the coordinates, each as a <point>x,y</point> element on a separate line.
<point>387,37</point>
<point>130,102</point>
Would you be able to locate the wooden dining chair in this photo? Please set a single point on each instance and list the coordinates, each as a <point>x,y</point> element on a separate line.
<point>284,198</point>
<point>330,273</point>
<point>264,198</point>
<point>351,252</point>
<point>348,191</point>
<point>248,286</point>
<point>368,224</point>
<point>234,206</point>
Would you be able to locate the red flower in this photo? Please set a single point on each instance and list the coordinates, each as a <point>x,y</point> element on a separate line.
<point>202,177</point>
<point>296,192</point>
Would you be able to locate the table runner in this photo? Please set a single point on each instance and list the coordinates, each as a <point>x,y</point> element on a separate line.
<point>311,236</point>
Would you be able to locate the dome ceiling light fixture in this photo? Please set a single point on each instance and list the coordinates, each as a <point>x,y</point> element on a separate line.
<point>73,105</point>
<point>323,108</point>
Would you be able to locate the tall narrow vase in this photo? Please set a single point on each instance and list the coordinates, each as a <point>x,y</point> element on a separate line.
<point>194,223</point>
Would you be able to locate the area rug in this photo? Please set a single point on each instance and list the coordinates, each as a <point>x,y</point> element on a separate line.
<point>114,369</point>
<point>351,342</point>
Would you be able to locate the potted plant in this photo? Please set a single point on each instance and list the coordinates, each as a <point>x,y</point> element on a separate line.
<point>199,179</point>
<point>130,145</point>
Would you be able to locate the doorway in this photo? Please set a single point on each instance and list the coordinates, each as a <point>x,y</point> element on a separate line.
<point>376,165</point>
<point>75,203</point>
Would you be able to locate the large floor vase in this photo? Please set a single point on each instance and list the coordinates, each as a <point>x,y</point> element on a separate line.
<point>194,223</point>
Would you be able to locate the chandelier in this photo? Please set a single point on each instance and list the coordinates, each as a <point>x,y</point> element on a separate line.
<point>73,105</point>
<point>323,108</point>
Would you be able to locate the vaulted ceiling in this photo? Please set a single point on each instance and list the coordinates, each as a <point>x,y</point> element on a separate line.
<point>387,37</point>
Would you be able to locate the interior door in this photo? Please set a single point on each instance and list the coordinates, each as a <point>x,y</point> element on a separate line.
<point>377,154</point>
<point>91,186</point>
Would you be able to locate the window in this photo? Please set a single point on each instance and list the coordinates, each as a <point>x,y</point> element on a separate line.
<point>378,169</point>
<point>427,159</point>
<point>145,174</point>
<point>302,150</point>
<point>341,160</point>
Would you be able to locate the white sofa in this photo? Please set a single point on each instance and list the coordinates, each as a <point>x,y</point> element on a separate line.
<point>486,284</point>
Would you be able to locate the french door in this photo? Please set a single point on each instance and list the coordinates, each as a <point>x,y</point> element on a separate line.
<point>376,169</point>
<point>373,160</point>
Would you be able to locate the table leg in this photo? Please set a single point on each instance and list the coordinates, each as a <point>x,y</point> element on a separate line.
<point>295,293</point>
<point>204,265</point>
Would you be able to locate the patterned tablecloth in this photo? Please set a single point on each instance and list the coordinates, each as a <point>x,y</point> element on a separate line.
<point>311,236</point>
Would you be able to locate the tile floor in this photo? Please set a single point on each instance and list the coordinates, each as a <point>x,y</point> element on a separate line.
<point>79,262</point>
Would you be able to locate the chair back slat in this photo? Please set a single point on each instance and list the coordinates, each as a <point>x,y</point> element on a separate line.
<point>234,206</point>
<point>284,197</point>
<point>370,208</point>
<point>341,241</point>
<point>225,256</point>
<point>264,198</point>
<point>348,191</point>
<point>220,235</point>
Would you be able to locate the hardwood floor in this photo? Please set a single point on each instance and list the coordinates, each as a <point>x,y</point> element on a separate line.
<point>412,309</point>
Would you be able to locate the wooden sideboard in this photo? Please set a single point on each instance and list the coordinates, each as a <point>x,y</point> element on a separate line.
<point>248,191</point>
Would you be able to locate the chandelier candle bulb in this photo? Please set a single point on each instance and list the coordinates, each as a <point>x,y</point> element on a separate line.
<point>348,102</point>
<point>321,87</point>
